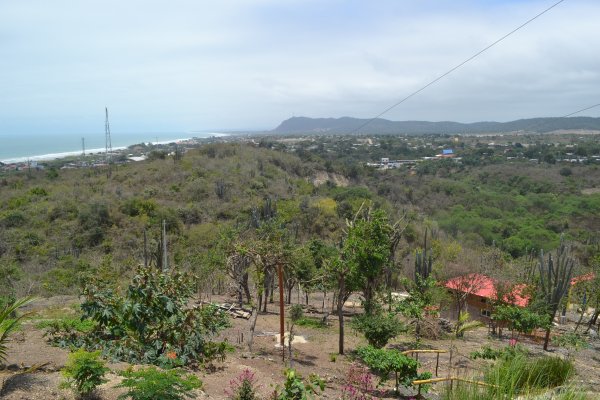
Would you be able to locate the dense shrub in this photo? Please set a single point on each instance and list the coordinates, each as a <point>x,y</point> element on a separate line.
<point>150,321</point>
<point>134,207</point>
<point>378,328</point>
<point>385,362</point>
<point>521,320</point>
<point>13,219</point>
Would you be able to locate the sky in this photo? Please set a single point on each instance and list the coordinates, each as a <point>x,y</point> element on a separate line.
<point>186,65</point>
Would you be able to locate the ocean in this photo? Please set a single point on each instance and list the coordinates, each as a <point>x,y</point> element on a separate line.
<point>20,148</point>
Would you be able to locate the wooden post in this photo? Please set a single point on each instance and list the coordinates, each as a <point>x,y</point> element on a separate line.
<point>437,363</point>
<point>281,310</point>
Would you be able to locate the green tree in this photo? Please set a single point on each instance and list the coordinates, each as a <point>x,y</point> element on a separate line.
<point>360,266</point>
<point>367,249</point>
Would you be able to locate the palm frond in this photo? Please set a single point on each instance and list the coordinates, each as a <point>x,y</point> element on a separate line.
<point>465,324</point>
<point>8,324</point>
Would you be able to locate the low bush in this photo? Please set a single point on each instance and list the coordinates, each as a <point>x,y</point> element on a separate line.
<point>311,322</point>
<point>84,372</point>
<point>385,362</point>
<point>152,384</point>
<point>74,323</point>
<point>571,340</point>
<point>297,388</point>
<point>378,328</point>
<point>505,353</point>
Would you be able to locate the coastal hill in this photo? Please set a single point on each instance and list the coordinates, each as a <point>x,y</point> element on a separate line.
<point>347,125</point>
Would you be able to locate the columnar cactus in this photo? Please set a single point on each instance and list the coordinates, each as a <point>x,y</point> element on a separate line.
<point>423,263</point>
<point>555,279</point>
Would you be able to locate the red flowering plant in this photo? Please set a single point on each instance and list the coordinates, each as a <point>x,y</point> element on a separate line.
<point>169,360</point>
<point>359,384</point>
<point>243,387</point>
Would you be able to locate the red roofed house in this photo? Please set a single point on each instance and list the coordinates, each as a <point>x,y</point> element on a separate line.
<point>475,293</point>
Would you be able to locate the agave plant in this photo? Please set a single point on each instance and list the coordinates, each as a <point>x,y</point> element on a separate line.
<point>8,324</point>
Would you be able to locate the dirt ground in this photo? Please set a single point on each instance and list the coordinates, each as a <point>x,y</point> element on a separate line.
<point>28,349</point>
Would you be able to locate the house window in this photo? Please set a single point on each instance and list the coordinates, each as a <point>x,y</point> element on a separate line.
<point>485,313</point>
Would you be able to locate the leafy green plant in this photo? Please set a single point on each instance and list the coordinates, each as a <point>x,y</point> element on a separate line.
<point>151,320</point>
<point>296,388</point>
<point>10,323</point>
<point>379,328</point>
<point>84,371</point>
<point>520,320</point>
<point>385,362</point>
<point>311,322</point>
<point>152,384</point>
<point>508,352</point>
<point>571,340</point>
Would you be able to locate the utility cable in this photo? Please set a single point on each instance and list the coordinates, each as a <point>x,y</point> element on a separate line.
<point>456,67</point>
<point>582,110</point>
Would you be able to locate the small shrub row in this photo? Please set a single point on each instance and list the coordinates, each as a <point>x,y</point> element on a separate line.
<point>85,371</point>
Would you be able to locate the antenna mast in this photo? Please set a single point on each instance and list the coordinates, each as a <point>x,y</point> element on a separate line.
<point>83,147</point>
<point>108,154</point>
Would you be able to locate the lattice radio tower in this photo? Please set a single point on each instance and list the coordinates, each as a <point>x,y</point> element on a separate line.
<point>108,153</point>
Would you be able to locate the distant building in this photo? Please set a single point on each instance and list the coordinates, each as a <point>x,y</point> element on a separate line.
<point>479,292</point>
<point>446,153</point>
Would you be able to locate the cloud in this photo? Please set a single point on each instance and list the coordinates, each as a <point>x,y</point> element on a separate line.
<point>183,65</point>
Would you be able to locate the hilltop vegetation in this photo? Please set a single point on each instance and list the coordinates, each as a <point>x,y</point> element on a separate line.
<point>233,213</point>
<point>56,228</point>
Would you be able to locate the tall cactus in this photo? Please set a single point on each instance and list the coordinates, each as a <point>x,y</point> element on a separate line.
<point>555,280</point>
<point>423,263</point>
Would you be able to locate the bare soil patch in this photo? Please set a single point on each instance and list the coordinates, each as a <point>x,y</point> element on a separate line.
<point>318,355</point>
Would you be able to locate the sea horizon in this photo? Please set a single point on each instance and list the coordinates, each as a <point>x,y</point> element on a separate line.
<point>43,147</point>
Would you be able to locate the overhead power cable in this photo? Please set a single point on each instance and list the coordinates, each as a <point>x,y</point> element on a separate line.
<point>582,110</point>
<point>456,67</point>
<point>540,122</point>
